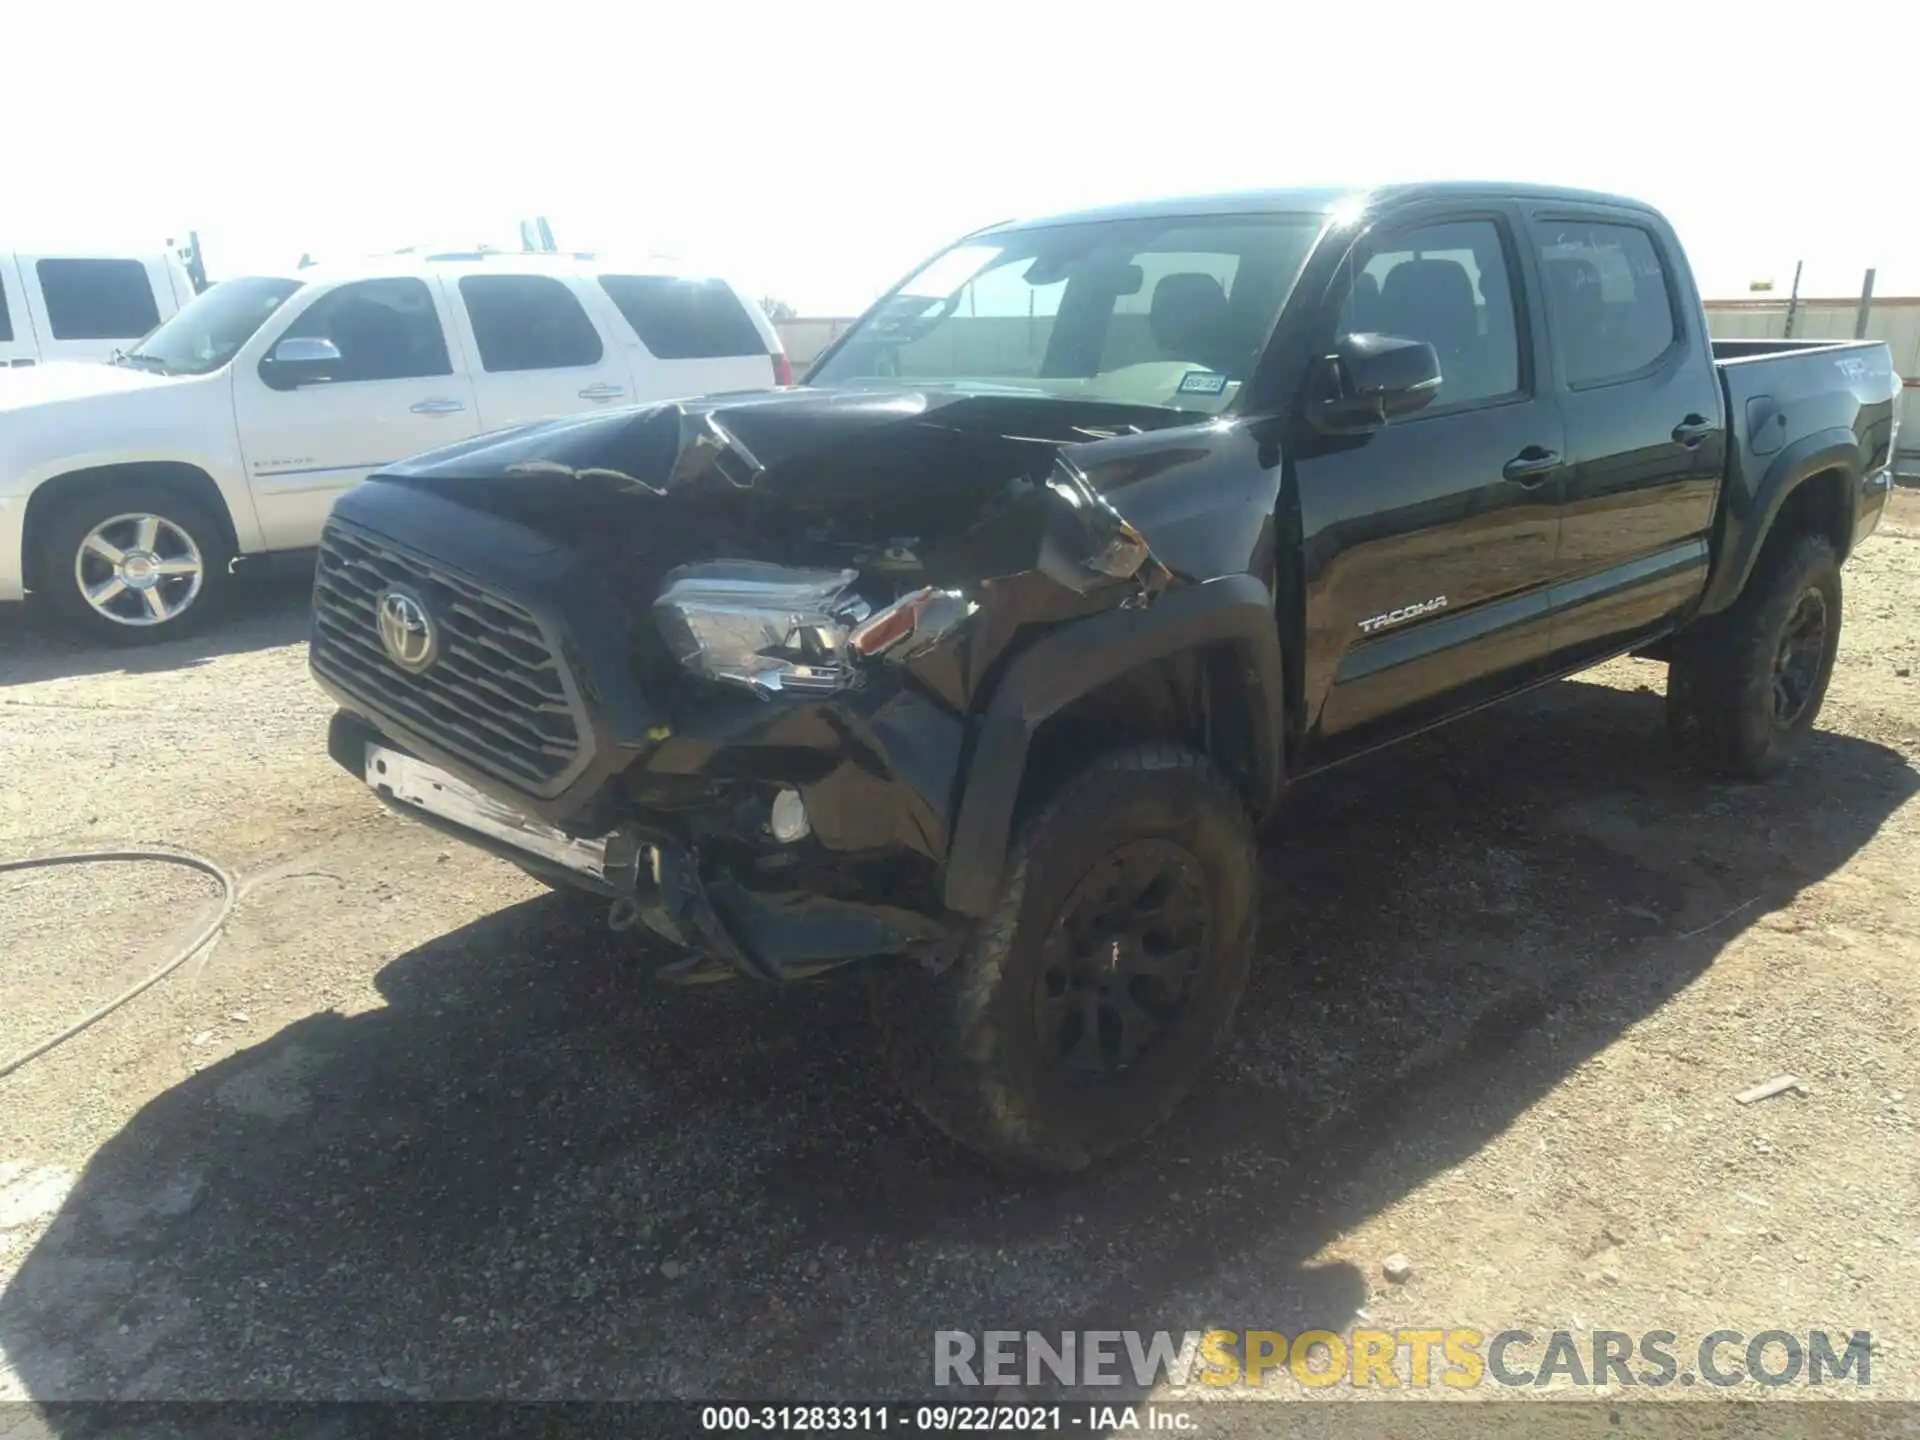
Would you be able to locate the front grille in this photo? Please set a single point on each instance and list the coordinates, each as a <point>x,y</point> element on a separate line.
<point>497,695</point>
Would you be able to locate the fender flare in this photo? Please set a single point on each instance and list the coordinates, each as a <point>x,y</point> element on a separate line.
<point>1833,449</point>
<point>226,475</point>
<point>1078,659</point>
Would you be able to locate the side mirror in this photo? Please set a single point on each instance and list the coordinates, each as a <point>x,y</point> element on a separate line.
<point>1379,377</point>
<point>300,360</point>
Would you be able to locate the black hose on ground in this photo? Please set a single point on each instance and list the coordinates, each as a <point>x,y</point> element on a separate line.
<point>230,892</point>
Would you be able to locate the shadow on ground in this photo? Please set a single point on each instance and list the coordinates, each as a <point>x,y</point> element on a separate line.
<point>536,1175</point>
<point>267,608</point>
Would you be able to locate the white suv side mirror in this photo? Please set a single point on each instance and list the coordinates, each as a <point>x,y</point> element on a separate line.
<point>305,350</point>
<point>300,360</point>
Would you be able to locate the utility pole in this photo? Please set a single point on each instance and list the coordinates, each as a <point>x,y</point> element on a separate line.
<point>1793,300</point>
<point>1866,307</point>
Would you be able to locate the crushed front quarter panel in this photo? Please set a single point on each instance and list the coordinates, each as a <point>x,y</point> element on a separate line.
<point>1030,512</point>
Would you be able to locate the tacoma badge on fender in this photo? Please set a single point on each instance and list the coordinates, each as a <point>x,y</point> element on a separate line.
<point>1404,613</point>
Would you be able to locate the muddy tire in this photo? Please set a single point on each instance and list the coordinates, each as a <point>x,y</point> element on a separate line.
<point>1744,685</point>
<point>1104,980</point>
<point>133,564</point>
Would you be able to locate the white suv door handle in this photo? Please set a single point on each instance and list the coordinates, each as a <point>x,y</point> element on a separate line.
<point>437,407</point>
<point>603,392</point>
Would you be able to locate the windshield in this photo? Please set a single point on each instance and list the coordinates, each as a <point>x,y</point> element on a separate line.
<point>1169,311</point>
<point>211,327</point>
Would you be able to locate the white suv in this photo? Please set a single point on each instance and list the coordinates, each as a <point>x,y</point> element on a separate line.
<point>67,306</point>
<point>126,491</point>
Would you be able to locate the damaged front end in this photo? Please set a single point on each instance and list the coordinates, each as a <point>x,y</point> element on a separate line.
<point>722,662</point>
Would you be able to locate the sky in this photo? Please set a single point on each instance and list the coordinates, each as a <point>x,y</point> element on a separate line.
<point>818,151</point>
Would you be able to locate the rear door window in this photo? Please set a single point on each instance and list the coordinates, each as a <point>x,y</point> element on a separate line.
<point>680,319</point>
<point>528,322</point>
<point>97,299</point>
<point>1608,299</point>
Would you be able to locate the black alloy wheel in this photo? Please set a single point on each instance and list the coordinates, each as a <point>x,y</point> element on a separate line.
<point>1121,960</point>
<point>1798,661</point>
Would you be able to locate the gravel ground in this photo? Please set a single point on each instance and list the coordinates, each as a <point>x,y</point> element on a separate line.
<point>414,1128</point>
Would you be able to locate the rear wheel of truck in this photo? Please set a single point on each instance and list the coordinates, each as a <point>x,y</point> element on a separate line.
<point>1104,980</point>
<point>133,564</point>
<point>1745,685</point>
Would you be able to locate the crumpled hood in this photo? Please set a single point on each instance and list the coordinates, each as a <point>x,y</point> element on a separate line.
<point>803,446</point>
<point>932,485</point>
<point>68,380</point>
<point>821,476</point>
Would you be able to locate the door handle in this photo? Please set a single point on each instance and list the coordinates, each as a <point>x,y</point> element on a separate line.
<point>1692,430</point>
<point>603,392</point>
<point>437,407</point>
<point>1532,465</point>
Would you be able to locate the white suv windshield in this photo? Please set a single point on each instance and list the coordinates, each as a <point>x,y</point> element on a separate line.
<point>211,327</point>
<point>1170,311</point>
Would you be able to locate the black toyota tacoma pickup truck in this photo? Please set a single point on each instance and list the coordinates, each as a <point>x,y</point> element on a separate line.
<point>977,659</point>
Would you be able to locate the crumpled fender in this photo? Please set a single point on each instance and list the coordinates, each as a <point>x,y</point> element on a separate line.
<point>1076,660</point>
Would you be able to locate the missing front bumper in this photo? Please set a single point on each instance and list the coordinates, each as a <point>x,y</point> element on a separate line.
<point>773,936</point>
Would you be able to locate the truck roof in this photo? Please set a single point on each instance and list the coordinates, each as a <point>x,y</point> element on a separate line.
<point>1316,200</point>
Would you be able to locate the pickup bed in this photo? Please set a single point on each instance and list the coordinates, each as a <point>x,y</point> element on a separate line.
<point>977,660</point>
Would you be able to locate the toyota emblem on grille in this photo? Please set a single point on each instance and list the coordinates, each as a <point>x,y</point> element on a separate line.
<point>407,630</point>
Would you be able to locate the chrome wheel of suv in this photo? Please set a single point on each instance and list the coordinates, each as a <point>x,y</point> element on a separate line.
<point>136,562</point>
<point>138,569</point>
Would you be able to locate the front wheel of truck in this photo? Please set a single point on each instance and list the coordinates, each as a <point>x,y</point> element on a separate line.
<point>1744,685</point>
<point>1104,980</point>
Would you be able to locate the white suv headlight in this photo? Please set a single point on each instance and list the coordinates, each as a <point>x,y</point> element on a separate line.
<point>769,627</point>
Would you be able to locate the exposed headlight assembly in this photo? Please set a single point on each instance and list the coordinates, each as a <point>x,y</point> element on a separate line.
<point>771,628</point>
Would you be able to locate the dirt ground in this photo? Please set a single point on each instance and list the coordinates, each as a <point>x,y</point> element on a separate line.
<point>415,1128</point>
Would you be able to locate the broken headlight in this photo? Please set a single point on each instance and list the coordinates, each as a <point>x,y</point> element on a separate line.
<point>769,627</point>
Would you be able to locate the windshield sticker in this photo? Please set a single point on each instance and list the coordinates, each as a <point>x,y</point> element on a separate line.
<point>1202,382</point>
